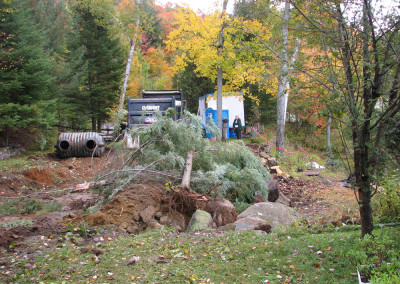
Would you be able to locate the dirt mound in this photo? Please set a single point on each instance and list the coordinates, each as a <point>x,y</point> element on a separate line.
<point>42,175</point>
<point>137,208</point>
<point>13,237</point>
<point>13,185</point>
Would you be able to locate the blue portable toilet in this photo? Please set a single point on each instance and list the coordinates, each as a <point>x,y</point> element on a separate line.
<point>232,105</point>
<point>212,114</point>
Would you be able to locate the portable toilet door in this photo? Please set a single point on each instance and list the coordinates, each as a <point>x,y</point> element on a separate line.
<point>212,114</point>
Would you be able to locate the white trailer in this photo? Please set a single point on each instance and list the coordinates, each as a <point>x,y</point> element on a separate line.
<point>233,102</point>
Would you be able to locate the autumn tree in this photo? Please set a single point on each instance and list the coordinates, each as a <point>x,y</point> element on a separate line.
<point>367,81</point>
<point>196,39</point>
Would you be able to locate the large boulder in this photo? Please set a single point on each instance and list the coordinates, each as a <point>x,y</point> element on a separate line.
<point>274,213</point>
<point>252,223</point>
<point>222,211</point>
<point>173,219</point>
<point>201,221</point>
<point>273,190</point>
<point>148,214</point>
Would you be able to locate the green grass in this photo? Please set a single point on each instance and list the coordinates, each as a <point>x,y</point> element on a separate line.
<point>16,164</point>
<point>23,162</point>
<point>293,255</point>
<point>28,205</point>
<point>17,223</point>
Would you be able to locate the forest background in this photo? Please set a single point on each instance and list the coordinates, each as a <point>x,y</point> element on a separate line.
<point>64,68</point>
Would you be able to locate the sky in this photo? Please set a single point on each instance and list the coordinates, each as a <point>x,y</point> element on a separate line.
<point>204,5</point>
<point>212,5</point>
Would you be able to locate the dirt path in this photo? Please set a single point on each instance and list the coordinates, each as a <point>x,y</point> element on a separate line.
<point>321,200</point>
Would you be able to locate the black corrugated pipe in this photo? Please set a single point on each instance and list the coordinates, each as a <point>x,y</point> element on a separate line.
<point>80,144</point>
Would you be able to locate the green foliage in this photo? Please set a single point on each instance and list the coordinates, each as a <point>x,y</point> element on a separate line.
<point>376,249</point>
<point>26,70</point>
<point>240,206</point>
<point>236,172</point>
<point>332,162</point>
<point>193,85</point>
<point>386,274</point>
<point>102,55</point>
<point>52,206</point>
<point>386,204</point>
<point>378,256</point>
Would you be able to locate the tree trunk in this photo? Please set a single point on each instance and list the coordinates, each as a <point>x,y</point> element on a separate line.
<point>221,40</point>
<point>367,225</point>
<point>219,99</point>
<point>283,84</point>
<point>128,64</point>
<point>93,124</point>
<point>7,135</point>
<point>188,169</point>
<point>328,135</point>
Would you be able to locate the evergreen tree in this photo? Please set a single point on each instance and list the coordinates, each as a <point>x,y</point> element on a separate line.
<point>103,58</point>
<point>194,86</point>
<point>26,83</point>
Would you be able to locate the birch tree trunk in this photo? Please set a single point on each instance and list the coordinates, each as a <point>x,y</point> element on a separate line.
<point>328,135</point>
<point>221,40</point>
<point>283,84</point>
<point>132,43</point>
<point>188,169</point>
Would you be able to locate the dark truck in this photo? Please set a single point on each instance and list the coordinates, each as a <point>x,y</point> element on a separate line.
<point>143,111</point>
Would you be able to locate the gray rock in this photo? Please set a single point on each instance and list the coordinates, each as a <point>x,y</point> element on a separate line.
<point>201,221</point>
<point>173,219</point>
<point>153,225</point>
<point>248,223</point>
<point>148,214</point>
<point>274,213</point>
<point>132,229</point>
<point>222,211</point>
<point>158,215</point>
<point>227,227</point>
<point>326,181</point>
<point>273,190</point>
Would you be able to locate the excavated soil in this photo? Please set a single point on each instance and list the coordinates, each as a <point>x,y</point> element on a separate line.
<point>135,209</point>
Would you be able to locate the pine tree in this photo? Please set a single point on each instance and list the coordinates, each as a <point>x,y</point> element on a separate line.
<point>26,83</point>
<point>103,58</point>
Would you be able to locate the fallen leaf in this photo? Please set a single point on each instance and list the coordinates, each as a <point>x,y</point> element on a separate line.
<point>95,259</point>
<point>133,260</point>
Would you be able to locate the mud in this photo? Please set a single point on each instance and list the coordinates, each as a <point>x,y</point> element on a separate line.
<point>137,208</point>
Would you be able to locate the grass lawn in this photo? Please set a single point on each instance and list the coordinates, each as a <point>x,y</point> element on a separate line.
<point>293,255</point>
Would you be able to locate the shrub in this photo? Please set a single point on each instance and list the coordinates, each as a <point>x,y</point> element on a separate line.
<point>240,206</point>
<point>387,202</point>
<point>238,173</point>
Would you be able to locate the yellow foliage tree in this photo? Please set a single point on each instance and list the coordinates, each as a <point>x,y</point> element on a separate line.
<point>194,38</point>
